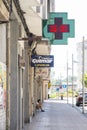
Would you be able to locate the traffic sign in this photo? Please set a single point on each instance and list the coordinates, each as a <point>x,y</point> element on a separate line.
<point>64,86</point>
<point>57,89</point>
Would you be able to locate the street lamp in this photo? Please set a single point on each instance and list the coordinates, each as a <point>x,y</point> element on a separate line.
<point>67,79</point>
<point>68,68</point>
<point>73,61</point>
<point>72,80</point>
<point>83,74</point>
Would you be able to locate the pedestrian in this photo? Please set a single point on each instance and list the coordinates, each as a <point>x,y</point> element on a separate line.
<point>39,105</point>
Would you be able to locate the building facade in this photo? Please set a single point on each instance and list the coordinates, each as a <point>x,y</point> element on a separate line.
<point>21,37</point>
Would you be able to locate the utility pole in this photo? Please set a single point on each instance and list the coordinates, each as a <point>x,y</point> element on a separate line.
<point>72,80</point>
<point>83,74</point>
<point>67,78</point>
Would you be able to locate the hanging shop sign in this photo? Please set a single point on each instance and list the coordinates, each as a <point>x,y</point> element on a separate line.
<point>57,28</point>
<point>42,61</point>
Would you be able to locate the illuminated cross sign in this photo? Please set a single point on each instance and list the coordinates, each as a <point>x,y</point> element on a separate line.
<point>57,28</point>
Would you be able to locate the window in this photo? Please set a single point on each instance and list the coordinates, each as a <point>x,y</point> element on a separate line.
<point>38,9</point>
<point>41,1</point>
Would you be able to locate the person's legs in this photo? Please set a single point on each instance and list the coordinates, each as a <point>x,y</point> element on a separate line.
<point>39,105</point>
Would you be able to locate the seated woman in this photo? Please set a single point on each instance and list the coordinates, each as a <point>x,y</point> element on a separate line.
<point>39,105</point>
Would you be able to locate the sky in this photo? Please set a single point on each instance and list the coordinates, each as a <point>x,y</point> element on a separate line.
<point>76,10</point>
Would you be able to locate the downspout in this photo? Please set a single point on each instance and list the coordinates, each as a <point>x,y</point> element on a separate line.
<point>9,7</point>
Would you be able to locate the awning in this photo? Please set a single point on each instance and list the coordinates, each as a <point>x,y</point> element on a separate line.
<point>33,19</point>
<point>4,14</point>
<point>28,3</point>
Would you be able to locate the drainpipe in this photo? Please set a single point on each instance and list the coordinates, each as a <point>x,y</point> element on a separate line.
<point>8,78</point>
<point>8,67</point>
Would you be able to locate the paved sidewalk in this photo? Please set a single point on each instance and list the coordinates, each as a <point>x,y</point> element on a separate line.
<point>2,119</point>
<point>58,116</point>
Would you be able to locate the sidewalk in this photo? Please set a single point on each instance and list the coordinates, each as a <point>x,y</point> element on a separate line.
<point>58,116</point>
<point>2,119</point>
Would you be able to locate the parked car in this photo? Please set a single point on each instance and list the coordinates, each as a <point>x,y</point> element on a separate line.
<point>79,98</point>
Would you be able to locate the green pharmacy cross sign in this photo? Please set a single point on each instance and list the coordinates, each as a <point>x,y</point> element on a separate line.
<point>58,28</point>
